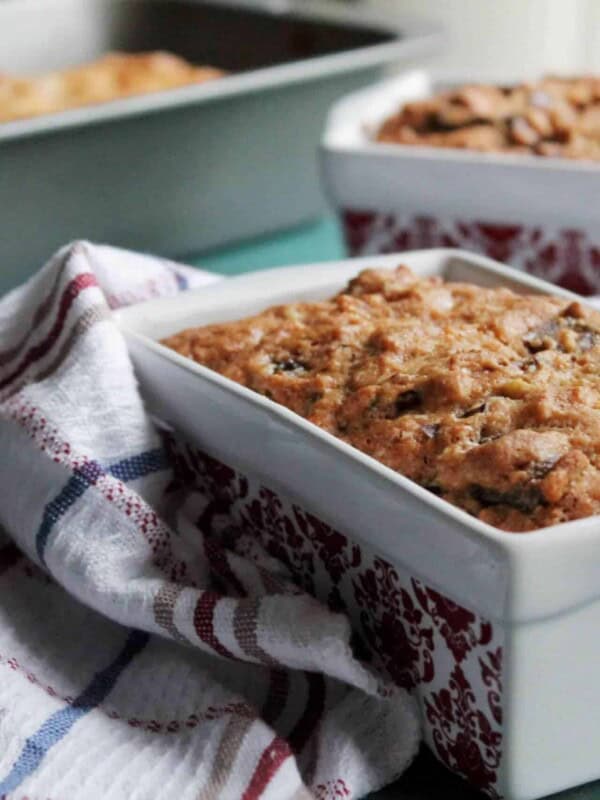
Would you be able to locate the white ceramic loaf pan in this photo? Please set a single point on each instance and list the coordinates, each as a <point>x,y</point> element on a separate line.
<point>179,171</point>
<point>496,633</point>
<point>536,214</point>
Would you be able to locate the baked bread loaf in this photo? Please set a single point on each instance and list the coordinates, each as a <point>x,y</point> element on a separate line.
<point>486,398</point>
<point>557,117</point>
<point>114,76</point>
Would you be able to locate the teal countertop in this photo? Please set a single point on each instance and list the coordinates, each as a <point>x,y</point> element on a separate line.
<point>319,241</point>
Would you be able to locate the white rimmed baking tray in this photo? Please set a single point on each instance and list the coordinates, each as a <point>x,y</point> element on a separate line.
<point>537,214</point>
<point>178,171</point>
<point>495,632</point>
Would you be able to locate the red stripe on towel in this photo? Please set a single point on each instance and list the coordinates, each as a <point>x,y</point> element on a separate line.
<point>204,623</point>
<point>72,291</point>
<point>270,761</point>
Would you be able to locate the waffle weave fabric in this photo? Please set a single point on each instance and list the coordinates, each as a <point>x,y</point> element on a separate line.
<point>139,656</point>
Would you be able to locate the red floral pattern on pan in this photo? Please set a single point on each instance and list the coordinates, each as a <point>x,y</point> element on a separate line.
<point>463,735</point>
<point>447,655</point>
<point>565,257</point>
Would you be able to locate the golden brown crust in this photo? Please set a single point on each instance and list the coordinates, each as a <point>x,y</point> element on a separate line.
<point>488,398</point>
<point>558,117</point>
<point>112,77</point>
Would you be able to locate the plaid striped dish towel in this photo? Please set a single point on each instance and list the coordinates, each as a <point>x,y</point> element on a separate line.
<point>126,672</point>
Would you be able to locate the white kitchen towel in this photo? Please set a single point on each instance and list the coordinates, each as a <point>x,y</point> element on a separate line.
<point>125,674</point>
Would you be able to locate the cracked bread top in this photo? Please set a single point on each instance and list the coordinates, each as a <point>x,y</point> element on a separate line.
<point>488,398</point>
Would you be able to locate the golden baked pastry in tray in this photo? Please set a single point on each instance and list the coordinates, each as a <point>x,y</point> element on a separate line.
<point>488,398</point>
<point>115,76</point>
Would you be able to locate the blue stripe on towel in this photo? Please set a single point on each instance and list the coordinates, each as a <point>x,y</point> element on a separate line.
<point>181,280</point>
<point>58,725</point>
<point>128,469</point>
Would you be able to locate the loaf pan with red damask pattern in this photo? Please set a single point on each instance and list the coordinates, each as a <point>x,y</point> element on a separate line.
<point>537,214</point>
<point>496,633</point>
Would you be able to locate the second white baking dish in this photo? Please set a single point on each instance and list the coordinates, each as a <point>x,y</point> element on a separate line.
<point>537,214</point>
<point>496,633</point>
